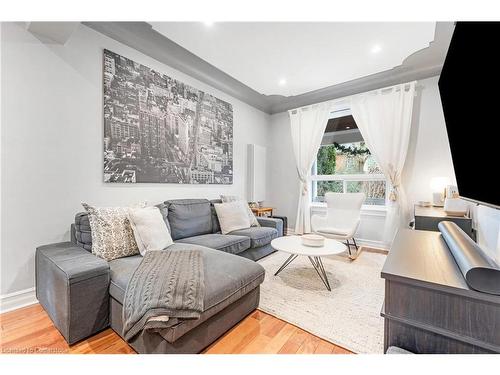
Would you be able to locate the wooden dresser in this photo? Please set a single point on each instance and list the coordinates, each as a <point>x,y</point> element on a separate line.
<point>428,218</point>
<point>428,306</point>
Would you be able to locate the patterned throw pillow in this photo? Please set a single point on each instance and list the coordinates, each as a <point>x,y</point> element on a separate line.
<point>232,198</point>
<point>112,235</point>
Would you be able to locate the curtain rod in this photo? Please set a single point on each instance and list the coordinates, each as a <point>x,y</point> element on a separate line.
<point>361,93</point>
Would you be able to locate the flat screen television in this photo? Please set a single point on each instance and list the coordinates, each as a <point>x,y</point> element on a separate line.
<point>469,86</point>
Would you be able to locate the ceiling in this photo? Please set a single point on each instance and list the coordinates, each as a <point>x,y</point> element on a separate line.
<point>293,58</point>
<point>426,62</point>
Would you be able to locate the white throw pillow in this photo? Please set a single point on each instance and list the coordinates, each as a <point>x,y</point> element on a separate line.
<point>232,198</point>
<point>150,230</point>
<point>232,216</point>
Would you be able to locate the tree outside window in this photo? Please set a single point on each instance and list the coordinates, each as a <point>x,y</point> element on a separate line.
<point>348,168</point>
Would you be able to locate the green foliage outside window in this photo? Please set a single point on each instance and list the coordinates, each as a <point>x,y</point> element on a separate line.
<point>325,163</point>
<point>353,158</point>
<point>326,159</point>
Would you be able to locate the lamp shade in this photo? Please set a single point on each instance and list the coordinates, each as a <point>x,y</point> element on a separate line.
<point>438,184</point>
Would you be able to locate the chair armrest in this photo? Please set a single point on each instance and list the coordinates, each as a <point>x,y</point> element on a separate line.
<point>272,223</point>
<point>72,286</point>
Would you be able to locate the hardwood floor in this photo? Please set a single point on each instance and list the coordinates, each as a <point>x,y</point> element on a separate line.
<point>30,330</point>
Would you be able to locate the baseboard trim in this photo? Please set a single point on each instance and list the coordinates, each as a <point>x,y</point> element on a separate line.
<point>372,244</point>
<point>16,300</point>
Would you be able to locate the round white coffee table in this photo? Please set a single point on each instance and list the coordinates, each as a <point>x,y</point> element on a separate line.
<point>293,246</point>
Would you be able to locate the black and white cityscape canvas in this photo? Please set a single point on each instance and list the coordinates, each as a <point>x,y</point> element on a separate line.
<point>158,129</point>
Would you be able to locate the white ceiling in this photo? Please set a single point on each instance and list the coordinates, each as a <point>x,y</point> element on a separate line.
<point>308,56</point>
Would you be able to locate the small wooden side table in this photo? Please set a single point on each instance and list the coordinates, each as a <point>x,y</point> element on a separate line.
<point>262,211</point>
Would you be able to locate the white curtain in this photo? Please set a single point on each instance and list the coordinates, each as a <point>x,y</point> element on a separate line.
<point>384,120</point>
<point>308,126</point>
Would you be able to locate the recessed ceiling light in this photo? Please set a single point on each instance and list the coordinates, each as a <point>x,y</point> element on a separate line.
<point>376,48</point>
<point>208,23</point>
<point>282,82</point>
<point>347,127</point>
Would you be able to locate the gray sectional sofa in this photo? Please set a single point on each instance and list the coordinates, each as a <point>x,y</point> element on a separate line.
<point>83,294</point>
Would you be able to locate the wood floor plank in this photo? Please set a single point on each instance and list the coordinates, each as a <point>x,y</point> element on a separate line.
<point>271,326</point>
<point>246,340</point>
<point>294,342</point>
<point>98,343</point>
<point>309,345</point>
<point>256,345</point>
<point>280,339</point>
<point>259,315</point>
<point>30,330</point>
<point>238,336</point>
<point>340,350</point>
<point>324,347</point>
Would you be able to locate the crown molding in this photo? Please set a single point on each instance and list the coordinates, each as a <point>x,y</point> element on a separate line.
<point>52,32</point>
<point>357,86</point>
<point>142,37</point>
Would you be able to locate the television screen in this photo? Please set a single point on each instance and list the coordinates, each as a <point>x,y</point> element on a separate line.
<point>469,86</point>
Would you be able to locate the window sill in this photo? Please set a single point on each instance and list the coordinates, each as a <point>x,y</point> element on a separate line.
<point>365,209</point>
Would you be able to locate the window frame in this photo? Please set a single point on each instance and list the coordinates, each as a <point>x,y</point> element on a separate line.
<point>345,178</point>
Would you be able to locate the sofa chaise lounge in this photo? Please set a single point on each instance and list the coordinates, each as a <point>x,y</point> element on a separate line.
<point>83,294</point>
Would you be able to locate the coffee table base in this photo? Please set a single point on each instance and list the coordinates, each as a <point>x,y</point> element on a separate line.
<point>317,264</point>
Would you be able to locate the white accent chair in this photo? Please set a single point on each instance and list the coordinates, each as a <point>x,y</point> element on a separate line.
<point>342,218</point>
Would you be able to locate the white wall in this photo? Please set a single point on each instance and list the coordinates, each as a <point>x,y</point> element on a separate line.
<point>429,152</point>
<point>282,179</point>
<point>52,134</point>
<point>428,156</point>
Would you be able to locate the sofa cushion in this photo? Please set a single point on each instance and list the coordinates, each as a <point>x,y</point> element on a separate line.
<point>164,212</point>
<point>259,236</point>
<point>215,219</point>
<point>189,217</point>
<point>227,243</point>
<point>83,234</point>
<point>227,279</point>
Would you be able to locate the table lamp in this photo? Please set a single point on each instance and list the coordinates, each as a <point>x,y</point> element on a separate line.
<point>438,186</point>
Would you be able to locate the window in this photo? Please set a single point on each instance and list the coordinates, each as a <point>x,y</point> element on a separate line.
<point>344,163</point>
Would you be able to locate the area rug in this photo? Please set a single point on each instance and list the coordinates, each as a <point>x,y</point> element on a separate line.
<point>348,316</point>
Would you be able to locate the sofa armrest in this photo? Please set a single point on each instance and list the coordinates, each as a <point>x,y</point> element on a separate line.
<point>72,286</point>
<point>272,223</point>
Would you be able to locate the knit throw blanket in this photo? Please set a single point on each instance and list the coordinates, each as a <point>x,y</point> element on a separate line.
<point>167,286</point>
